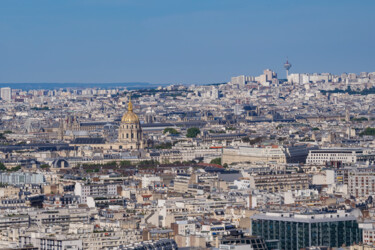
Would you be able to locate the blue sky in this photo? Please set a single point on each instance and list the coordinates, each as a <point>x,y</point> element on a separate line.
<point>181,41</point>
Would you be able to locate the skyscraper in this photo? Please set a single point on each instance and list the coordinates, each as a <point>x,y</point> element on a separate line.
<point>6,93</point>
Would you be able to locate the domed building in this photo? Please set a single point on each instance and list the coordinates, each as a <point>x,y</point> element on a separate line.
<point>130,131</point>
<point>129,135</point>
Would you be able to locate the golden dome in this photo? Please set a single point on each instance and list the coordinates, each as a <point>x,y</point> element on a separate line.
<point>130,116</point>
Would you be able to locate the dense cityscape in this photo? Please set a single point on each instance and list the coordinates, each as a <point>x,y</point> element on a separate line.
<point>187,125</point>
<point>258,162</point>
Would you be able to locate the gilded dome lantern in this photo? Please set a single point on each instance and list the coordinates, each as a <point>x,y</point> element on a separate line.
<point>130,116</point>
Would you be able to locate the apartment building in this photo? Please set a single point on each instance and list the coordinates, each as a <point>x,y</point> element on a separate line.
<point>94,190</point>
<point>344,155</point>
<point>298,230</point>
<point>280,182</point>
<point>50,242</point>
<point>63,216</point>
<point>274,153</point>
<point>183,227</point>
<point>21,178</point>
<point>361,182</point>
<point>181,183</point>
<point>368,232</point>
<point>109,239</point>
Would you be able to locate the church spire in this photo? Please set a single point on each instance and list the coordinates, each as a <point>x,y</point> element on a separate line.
<point>130,105</point>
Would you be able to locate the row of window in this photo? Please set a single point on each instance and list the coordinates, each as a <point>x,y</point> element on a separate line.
<point>131,136</point>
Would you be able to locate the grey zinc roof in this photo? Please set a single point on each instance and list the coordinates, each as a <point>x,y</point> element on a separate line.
<point>89,141</point>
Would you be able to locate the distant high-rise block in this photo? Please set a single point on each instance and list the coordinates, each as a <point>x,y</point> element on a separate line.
<point>6,94</point>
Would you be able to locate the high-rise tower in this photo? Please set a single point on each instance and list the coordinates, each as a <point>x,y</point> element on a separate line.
<point>6,94</point>
<point>287,66</point>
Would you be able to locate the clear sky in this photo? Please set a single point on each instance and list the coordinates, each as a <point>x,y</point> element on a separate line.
<point>181,41</point>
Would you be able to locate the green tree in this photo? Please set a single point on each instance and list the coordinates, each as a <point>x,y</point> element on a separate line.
<point>216,161</point>
<point>149,162</point>
<point>2,167</point>
<point>256,140</point>
<point>172,131</point>
<point>15,169</point>
<point>368,131</point>
<point>192,132</point>
<point>280,139</point>
<point>111,164</point>
<point>125,163</point>
<point>246,139</point>
<point>359,119</point>
<point>44,166</point>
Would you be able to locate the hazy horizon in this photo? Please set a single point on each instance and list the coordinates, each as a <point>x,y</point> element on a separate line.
<point>192,42</point>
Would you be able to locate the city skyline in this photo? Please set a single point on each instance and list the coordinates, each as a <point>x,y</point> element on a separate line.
<point>168,42</point>
<point>170,124</point>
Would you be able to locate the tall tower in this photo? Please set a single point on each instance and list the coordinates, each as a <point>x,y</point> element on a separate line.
<point>61,129</point>
<point>287,66</point>
<point>347,115</point>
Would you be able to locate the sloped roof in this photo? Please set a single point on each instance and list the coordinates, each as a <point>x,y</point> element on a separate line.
<point>89,141</point>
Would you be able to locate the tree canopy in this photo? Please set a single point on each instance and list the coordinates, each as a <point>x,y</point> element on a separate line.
<point>2,167</point>
<point>368,131</point>
<point>192,132</point>
<point>216,161</point>
<point>171,131</point>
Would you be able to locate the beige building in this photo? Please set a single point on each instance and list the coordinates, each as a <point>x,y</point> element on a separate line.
<point>110,239</point>
<point>272,153</point>
<point>280,182</point>
<point>181,183</point>
<point>53,189</point>
<point>194,241</point>
<point>9,191</point>
<point>253,154</point>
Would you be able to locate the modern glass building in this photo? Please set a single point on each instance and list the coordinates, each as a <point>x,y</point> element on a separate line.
<point>20,178</point>
<point>296,231</point>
